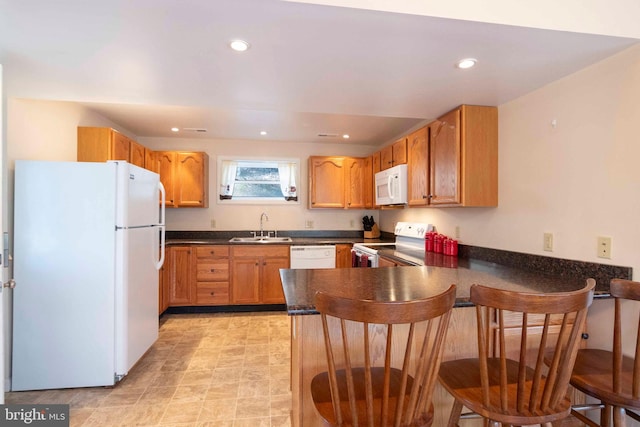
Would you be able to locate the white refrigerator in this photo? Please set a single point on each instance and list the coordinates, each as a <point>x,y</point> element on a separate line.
<point>88,244</point>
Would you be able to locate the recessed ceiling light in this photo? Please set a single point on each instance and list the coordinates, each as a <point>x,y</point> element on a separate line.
<point>466,63</point>
<point>174,129</point>
<point>263,132</point>
<point>345,136</point>
<point>239,45</point>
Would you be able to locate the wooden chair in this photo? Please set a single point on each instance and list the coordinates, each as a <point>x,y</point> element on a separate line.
<point>509,384</point>
<point>610,376</point>
<point>364,384</point>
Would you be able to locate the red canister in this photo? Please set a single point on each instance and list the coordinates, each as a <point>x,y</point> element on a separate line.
<point>453,247</point>
<point>438,243</point>
<point>428,241</point>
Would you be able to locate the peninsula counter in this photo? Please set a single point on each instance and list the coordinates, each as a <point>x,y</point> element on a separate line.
<point>393,284</point>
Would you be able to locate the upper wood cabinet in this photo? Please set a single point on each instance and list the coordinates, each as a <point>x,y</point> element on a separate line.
<point>358,183</point>
<point>97,144</point>
<point>326,182</point>
<point>418,167</point>
<point>394,154</point>
<point>137,154</point>
<point>464,157</point>
<point>185,176</point>
<point>340,182</point>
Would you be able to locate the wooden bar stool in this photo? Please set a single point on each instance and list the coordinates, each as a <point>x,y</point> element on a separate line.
<point>364,384</point>
<point>509,384</point>
<point>610,376</point>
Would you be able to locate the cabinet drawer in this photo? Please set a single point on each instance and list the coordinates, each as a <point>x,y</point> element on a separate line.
<point>212,270</point>
<point>212,251</point>
<point>256,251</point>
<point>213,293</point>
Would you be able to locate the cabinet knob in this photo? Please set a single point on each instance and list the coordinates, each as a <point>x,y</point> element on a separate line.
<point>212,270</point>
<point>257,263</point>
<point>424,196</point>
<point>212,293</point>
<point>212,252</point>
<point>431,196</point>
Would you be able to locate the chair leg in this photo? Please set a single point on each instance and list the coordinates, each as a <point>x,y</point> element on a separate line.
<point>619,417</point>
<point>456,410</point>
<point>605,416</point>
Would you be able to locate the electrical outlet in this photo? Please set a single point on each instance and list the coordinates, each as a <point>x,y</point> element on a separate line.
<point>548,242</point>
<point>352,223</point>
<point>457,232</point>
<point>213,223</point>
<point>308,224</point>
<point>604,247</point>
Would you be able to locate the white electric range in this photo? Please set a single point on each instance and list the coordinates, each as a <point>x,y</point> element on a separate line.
<point>409,238</point>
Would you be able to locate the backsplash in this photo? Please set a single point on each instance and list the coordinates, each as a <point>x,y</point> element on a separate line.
<point>602,273</point>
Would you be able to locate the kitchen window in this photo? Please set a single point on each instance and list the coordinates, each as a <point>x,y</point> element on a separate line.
<point>261,181</point>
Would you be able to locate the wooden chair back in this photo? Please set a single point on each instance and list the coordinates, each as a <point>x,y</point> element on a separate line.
<point>626,384</point>
<point>517,388</point>
<point>383,359</point>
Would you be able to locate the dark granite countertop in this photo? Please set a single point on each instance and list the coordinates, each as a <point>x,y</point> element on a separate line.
<point>303,241</point>
<point>405,283</point>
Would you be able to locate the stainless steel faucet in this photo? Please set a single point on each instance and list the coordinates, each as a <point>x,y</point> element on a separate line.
<point>263,216</point>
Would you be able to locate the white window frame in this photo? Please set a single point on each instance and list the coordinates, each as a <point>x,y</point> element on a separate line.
<point>256,200</point>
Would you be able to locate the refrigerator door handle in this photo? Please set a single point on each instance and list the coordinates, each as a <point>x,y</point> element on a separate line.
<point>162,226</point>
<point>164,196</point>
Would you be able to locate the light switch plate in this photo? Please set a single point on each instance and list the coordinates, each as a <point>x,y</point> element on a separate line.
<point>547,244</point>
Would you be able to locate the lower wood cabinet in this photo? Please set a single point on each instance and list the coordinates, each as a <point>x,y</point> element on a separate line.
<point>181,274</point>
<point>212,275</point>
<point>343,255</point>
<point>255,273</point>
<point>209,275</point>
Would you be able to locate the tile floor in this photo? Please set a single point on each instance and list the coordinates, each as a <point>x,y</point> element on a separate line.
<point>227,370</point>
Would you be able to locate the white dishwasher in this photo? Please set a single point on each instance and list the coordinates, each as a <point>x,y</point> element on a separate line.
<point>305,257</point>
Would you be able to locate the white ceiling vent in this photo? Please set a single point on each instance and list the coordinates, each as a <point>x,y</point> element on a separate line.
<point>328,135</point>
<point>199,130</point>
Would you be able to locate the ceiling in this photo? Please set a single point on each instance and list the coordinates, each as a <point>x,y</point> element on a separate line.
<point>149,65</point>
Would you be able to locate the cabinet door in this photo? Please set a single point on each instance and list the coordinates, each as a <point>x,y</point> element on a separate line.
<point>119,147</point>
<point>136,154</point>
<point>375,163</point>
<point>245,280</point>
<point>343,256</point>
<point>418,168</point>
<point>191,182</point>
<point>166,166</point>
<point>326,182</point>
<point>399,152</point>
<point>181,263</point>
<point>151,161</point>
<point>358,177</point>
<point>272,292</point>
<point>386,157</point>
<point>445,159</point>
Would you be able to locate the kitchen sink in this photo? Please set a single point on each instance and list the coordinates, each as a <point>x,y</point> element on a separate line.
<point>258,239</point>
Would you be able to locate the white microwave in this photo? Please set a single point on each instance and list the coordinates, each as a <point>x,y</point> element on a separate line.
<point>391,186</point>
